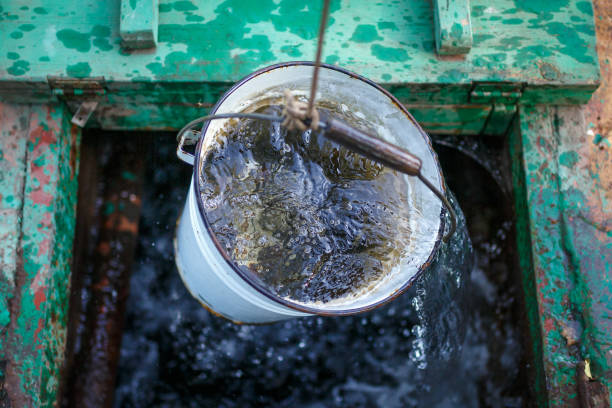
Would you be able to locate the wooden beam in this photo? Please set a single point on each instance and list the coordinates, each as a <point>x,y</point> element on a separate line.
<point>138,23</point>
<point>43,180</point>
<point>453,27</point>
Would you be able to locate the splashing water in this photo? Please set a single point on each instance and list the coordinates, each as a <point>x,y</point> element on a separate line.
<point>406,354</point>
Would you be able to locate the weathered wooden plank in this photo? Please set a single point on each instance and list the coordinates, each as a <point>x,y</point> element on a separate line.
<point>536,43</point>
<point>96,332</point>
<point>453,28</point>
<point>14,122</point>
<point>500,119</point>
<point>34,342</point>
<point>547,283</point>
<point>138,23</point>
<point>587,235</point>
<point>565,243</point>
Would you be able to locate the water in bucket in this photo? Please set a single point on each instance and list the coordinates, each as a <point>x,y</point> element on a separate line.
<point>312,220</point>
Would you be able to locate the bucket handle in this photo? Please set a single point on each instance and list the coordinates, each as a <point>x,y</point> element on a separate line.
<point>354,139</point>
<point>189,136</point>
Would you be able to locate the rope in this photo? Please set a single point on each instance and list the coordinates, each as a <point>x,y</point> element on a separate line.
<point>296,114</point>
<point>315,76</point>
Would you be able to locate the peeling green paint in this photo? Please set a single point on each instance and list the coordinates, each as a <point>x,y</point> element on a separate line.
<point>365,33</point>
<point>574,45</point>
<point>389,54</point>
<point>332,59</point>
<point>27,27</point>
<point>74,40</point>
<point>568,159</point>
<point>79,70</point>
<point>81,42</point>
<point>194,18</point>
<point>292,50</point>
<point>541,6</point>
<point>238,37</point>
<point>18,68</point>
<point>36,334</point>
<point>387,25</point>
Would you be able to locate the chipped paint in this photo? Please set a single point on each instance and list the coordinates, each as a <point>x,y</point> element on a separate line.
<point>34,338</point>
<point>566,246</point>
<point>390,39</point>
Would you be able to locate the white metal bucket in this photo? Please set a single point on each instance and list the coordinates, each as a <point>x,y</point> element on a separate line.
<point>223,288</point>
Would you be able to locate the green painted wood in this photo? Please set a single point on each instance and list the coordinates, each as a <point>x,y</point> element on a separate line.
<point>587,238</point>
<point>33,344</point>
<point>453,28</point>
<point>453,119</point>
<point>138,23</point>
<point>212,42</point>
<point>14,121</point>
<point>500,119</point>
<point>564,250</point>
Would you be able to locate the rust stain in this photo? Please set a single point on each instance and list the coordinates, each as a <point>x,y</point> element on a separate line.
<point>39,297</point>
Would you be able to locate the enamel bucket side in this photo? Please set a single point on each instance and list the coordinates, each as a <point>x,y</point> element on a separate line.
<point>227,290</point>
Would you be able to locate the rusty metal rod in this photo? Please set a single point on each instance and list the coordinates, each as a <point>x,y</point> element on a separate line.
<point>385,153</point>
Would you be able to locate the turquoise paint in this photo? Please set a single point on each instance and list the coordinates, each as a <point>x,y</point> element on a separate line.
<point>586,7</point>
<point>27,27</point>
<point>597,139</point>
<point>183,6</point>
<point>79,70</point>
<point>18,68</point>
<point>292,50</point>
<point>12,55</point>
<point>178,6</point>
<point>574,45</point>
<point>365,33</point>
<point>456,31</point>
<point>16,35</point>
<point>194,18</point>
<point>386,77</point>
<point>389,54</point>
<point>332,59</point>
<point>387,25</point>
<point>74,40</point>
<point>568,159</point>
<point>512,21</point>
<point>102,44</point>
<point>100,31</point>
<point>81,42</point>
<point>541,6</point>
<point>453,75</point>
<point>40,10</point>
<point>44,59</point>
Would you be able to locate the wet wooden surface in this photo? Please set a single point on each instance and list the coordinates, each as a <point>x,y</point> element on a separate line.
<point>106,235</point>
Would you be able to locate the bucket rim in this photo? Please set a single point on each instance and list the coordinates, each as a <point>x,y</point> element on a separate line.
<point>250,279</point>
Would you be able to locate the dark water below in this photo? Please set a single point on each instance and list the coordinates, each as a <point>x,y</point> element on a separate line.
<point>452,340</point>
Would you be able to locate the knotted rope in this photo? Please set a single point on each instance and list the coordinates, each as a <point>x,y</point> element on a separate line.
<point>296,115</point>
